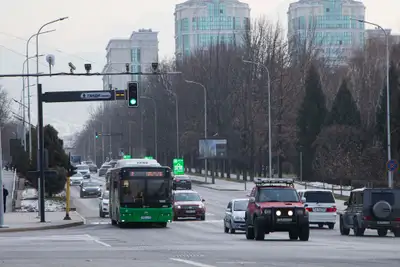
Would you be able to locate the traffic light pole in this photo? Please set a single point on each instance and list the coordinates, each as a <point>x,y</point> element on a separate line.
<point>94,149</point>
<point>71,96</point>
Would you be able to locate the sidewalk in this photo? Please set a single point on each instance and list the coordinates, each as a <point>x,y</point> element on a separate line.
<point>343,191</point>
<point>27,221</point>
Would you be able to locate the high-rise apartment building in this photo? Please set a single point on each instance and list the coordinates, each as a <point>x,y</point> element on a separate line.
<point>330,25</point>
<point>139,51</point>
<point>200,23</point>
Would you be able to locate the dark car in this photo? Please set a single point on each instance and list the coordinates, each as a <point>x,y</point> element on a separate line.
<point>181,182</point>
<point>188,204</point>
<point>275,206</point>
<point>90,189</point>
<point>92,168</point>
<point>371,208</point>
<point>103,169</point>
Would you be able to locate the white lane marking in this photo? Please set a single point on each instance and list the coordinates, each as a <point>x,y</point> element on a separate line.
<point>98,241</point>
<point>83,218</point>
<point>193,263</point>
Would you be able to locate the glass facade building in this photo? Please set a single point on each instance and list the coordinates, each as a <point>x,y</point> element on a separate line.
<point>328,25</point>
<point>201,23</point>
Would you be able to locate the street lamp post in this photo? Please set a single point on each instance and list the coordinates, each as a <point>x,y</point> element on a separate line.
<point>40,124</point>
<point>155,125</point>
<point>269,114</point>
<point>389,142</point>
<point>24,107</point>
<point>205,122</point>
<point>29,88</point>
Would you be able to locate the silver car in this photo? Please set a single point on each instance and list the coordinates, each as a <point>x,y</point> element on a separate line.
<point>234,215</point>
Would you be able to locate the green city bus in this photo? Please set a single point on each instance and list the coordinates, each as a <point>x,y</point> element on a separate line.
<point>140,194</point>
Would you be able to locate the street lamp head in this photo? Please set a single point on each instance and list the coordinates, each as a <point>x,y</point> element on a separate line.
<point>63,18</point>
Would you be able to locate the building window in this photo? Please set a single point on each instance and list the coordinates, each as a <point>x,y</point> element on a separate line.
<point>135,53</point>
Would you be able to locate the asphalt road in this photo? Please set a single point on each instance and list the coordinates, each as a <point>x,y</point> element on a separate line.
<point>188,243</point>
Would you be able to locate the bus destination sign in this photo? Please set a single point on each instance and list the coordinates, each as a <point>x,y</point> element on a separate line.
<point>146,174</point>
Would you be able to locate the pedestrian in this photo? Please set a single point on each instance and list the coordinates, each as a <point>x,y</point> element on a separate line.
<point>5,194</point>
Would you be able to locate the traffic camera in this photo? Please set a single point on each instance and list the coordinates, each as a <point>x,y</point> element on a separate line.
<point>133,95</point>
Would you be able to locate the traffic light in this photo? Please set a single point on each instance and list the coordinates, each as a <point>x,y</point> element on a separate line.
<point>72,170</point>
<point>96,134</point>
<point>133,95</point>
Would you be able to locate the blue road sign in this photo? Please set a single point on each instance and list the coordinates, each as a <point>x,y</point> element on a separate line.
<point>392,165</point>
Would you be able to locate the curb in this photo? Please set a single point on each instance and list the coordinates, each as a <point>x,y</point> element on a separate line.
<point>205,185</point>
<point>47,227</point>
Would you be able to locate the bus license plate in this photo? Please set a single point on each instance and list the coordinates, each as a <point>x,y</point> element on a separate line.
<point>145,217</point>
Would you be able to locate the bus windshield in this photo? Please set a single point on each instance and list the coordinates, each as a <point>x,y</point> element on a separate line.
<point>141,191</point>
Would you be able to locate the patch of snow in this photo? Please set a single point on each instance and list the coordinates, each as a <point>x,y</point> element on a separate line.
<point>30,203</point>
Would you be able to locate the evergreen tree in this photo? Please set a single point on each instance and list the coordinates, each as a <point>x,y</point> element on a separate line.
<point>310,119</point>
<point>381,120</point>
<point>57,159</point>
<point>344,109</point>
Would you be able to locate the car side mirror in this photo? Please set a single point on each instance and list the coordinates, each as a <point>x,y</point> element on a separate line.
<point>303,200</point>
<point>346,203</point>
<point>252,200</point>
<point>203,200</point>
<point>100,198</point>
<point>228,210</point>
<point>247,195</point>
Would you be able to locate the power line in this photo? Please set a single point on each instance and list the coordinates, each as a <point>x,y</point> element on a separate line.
<point>55,49</point>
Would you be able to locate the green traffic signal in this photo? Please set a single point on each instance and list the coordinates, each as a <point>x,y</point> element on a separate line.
<point>133,96</point>
<point>133,101</point>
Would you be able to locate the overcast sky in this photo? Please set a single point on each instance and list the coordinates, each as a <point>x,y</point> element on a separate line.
<point>83,37</point>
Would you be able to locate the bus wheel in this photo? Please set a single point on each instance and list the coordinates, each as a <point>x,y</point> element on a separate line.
<point>163,224</point>
<point>113,222</point>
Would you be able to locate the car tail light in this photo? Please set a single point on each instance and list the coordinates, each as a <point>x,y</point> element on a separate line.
<point>309,209</point>
<point>367,218</point>
<point>397,219</point>
<point>177,180</point>
<point>332,209</point>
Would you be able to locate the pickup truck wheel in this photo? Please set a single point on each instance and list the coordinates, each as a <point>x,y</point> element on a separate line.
<point>259,232</point>
<point>249,232</point>
<point>304,232</point>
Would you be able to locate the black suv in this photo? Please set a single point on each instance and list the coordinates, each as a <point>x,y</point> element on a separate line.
<point>372,208</point>
<point>275,206</point>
